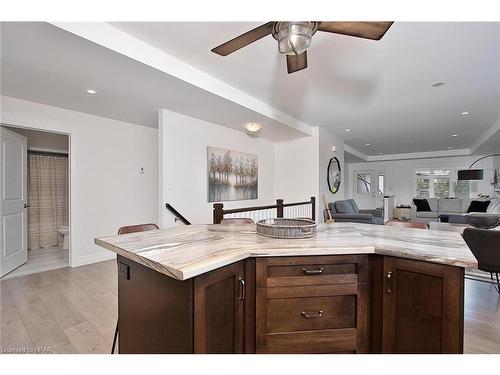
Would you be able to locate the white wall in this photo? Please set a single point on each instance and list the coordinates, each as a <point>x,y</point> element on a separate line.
<point>326,141</point>
<point>107,190</point>
<point>183,164</point>
<point>301,168</point>
<point>399,174</point>
<point>296,164</point>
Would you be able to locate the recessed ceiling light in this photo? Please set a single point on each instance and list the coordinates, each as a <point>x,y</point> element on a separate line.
<point>454,135</point>
<point>449,148</point>
<point>367,144</point>
<point>347,130</point>
<point>465,113</point>
<point>437,84</point>
<point>91,91</point>
<point>380,153</point>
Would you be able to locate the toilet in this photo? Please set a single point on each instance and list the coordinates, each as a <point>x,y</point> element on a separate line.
<point>64,231</point>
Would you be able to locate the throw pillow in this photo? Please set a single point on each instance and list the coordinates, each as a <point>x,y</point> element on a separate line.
<point>478,206</point>
<point>422,205</point>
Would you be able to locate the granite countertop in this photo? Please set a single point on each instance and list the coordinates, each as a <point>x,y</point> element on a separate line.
<point>188,251</point>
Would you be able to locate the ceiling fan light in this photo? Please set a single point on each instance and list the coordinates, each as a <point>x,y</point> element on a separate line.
<point>294,37</point>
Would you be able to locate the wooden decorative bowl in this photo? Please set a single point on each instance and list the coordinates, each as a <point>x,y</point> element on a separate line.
<point>286,228</point>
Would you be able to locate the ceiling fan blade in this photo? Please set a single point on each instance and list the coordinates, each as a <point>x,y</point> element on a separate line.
<point>368,30</point>
<point>294,63</point>
<point>244,39</point>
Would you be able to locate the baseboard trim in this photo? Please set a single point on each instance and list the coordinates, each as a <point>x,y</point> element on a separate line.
<point>93,258</point>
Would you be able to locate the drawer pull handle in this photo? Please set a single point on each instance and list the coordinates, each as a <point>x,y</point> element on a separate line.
<point>389,282</point>
<point>306,315</point>
<point>312,272</point>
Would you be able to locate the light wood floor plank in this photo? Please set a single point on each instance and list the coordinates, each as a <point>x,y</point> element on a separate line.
<point>63,311</point>
<point>86,339</point>
<point>13,334</point>
<point>40,324</point>
<point>102,319</point>
<point>105,296</point>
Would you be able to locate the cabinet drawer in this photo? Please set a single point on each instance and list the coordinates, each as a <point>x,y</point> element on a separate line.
<point>308,314</point>
<point>329,341</point>
<point>322,270</point>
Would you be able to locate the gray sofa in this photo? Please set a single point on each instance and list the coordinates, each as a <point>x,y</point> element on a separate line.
<point>452,207</point>
<point>492,210</point>
<point>348,211</point>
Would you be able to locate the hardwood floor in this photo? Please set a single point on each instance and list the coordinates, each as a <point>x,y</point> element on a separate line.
<point>74,310</point>
<point>68,310</point>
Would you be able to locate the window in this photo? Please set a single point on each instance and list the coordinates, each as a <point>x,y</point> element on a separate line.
<point>440,183</point>
<point>363,183</point>
<point>381,179</point>
<point>423,183</point>
<point>462,189</point>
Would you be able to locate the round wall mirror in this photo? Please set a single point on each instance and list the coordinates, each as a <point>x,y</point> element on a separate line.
<point>333,175</point>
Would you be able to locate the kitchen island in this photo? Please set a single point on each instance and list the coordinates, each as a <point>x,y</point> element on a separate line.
<point>354,288</point>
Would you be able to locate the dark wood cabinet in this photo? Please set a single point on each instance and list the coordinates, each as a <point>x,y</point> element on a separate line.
<point>219,321</point>
<point>294,304</point>
<point>211,313</point>
<point>422,307</point>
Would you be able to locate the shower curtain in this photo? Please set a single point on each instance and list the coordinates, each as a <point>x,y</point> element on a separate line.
<point>48,199</point>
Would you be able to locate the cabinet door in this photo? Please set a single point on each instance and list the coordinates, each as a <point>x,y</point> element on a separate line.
<point>219,299</point>
<point>422,307</point>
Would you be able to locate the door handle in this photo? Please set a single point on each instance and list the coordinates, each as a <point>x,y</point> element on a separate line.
<point>242,290</point>
<point>389,282</point>
<point>26,205</point>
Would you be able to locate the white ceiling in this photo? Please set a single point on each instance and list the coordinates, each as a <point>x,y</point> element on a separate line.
<point>380,90</point>
<point>42,63</point>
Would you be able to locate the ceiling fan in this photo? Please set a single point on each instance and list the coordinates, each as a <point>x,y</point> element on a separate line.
<point>295,37</point>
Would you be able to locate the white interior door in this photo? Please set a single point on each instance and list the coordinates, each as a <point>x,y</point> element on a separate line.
<point>365,188</point>
<point>13,202</point>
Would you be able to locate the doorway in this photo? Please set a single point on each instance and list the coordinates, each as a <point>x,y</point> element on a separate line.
<point>35,169</point>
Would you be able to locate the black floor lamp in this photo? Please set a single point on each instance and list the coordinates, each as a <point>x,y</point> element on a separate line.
<point>473,174</point>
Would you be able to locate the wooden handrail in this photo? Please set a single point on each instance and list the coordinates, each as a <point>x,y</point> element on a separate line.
<point>219,211</point>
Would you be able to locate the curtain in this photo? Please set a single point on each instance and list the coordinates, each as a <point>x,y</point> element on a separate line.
<point>48,199</point>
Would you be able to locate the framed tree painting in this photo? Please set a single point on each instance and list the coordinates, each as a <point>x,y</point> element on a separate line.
<point>232,175</point>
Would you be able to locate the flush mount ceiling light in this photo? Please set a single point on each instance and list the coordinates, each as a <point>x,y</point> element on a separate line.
<point>465,113</point>
<point>454,135</point>
<point>91,91</point>
<point>347,130</point>
<point>253,129</point>
<point>367,144</point>
<point>438,84</point>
